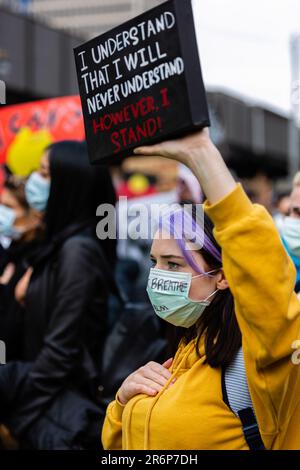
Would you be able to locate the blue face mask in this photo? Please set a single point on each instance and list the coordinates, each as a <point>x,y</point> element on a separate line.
<point>7,220</point>
<point>37,190</point>
<point>291,234</point>
<point>169,295</point>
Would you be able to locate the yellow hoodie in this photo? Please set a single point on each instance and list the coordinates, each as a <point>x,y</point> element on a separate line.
<point>191,414</point>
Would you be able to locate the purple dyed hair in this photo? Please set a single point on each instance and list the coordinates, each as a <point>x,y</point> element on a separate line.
<point>182,225</point>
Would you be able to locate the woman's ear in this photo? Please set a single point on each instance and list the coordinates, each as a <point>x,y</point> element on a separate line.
<point>222,282</point>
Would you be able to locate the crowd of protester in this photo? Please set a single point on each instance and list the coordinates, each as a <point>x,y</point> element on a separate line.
<point>58,305</point>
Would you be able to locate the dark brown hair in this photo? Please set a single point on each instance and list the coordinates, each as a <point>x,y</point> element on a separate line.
<point>16,186</point>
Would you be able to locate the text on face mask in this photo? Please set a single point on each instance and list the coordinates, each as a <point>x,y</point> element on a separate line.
<point>166,285</point>
<point>160,308</point>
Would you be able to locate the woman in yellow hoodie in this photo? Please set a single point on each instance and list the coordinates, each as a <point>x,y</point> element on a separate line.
<point>179,405</point>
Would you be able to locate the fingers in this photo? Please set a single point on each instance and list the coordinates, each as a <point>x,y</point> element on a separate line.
<point>155,376</point>
<point>130,389</point>
<point>149,150</point>
<point>150,380</point>
<point>136,385</point>
<point>161,369</point>
<point>171,148</point>
<point>143,388</point>
<point>157,373</point>
<point>168,363</point>
<point>151,384</point>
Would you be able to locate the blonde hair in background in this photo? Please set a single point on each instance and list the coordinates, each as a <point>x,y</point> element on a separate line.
<point>296,181</point>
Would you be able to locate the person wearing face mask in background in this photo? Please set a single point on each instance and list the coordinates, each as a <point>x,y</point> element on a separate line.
<point>37,189</point>
<point>18,222</point>
<point>188,187</point>
<point>290,229</point>
<point>281,207</point>
<point>65,299</point>
<point>234,298</point>
<point>21,233</point>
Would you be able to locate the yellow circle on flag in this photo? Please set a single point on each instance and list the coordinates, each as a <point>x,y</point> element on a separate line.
<point>24,153</point>
<point>138,184</point>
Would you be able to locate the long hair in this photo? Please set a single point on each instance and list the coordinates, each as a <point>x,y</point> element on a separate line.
<point>76,190</point>
<point>218,323</point>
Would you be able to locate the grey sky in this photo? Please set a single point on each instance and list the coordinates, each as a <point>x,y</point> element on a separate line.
<point>245,47</point>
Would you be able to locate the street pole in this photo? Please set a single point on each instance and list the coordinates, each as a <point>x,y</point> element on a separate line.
<point>294,123</point>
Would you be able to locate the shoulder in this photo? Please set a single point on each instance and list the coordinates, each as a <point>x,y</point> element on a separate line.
<point>78,245</point>
<point>80,240</point>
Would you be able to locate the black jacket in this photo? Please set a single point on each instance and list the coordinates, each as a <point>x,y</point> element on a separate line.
<point>11,312</point>
<point>64,327</point>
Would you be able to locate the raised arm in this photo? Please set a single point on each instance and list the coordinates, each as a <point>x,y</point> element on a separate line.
<point>260,275</point>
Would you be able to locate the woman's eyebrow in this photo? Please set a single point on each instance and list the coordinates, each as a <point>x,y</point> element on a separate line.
<point>167,256</point>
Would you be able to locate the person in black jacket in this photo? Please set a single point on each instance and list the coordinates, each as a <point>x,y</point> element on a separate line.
<point>65,299</point>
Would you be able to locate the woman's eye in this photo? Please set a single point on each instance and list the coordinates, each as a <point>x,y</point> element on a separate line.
<point>173,265</point>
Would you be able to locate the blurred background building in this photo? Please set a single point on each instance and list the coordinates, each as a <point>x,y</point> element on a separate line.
<point>83,18</point>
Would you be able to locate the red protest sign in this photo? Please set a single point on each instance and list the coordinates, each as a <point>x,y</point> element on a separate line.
<point>26,129</point>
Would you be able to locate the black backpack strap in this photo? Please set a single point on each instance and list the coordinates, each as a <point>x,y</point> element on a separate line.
<point>251,429</point>
<point>237,397</point>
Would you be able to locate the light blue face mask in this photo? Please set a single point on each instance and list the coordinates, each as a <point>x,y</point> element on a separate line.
<point>37,190</point>
<point>169,295</point>
<point>291,234</point>
<point>7,220</point>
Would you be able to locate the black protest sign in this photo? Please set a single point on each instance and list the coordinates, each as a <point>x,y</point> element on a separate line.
<point>141,82</point>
